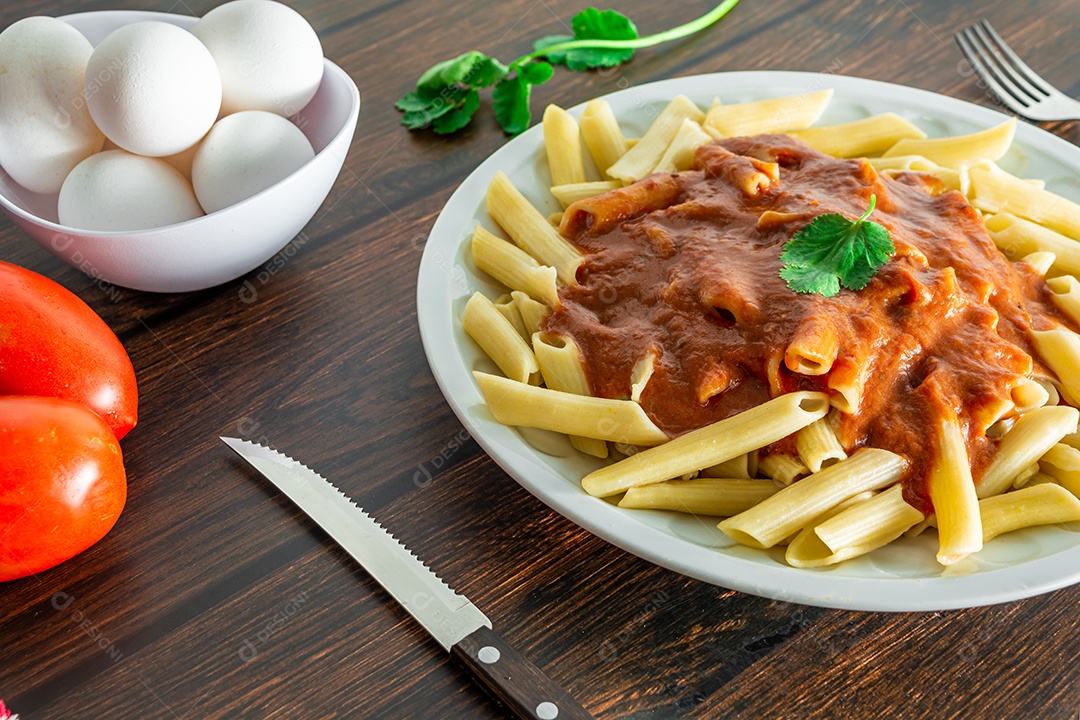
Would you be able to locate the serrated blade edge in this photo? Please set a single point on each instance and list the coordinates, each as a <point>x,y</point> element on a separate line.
<point>445,614</point>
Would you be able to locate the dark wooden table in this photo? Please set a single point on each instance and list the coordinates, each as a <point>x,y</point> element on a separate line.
<point>215,597</point>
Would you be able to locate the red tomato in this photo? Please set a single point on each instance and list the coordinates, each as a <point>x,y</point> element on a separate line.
<point>62,483</point>
<point>53,344</point>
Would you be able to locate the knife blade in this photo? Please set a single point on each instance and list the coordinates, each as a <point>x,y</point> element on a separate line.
<point>449,617</point>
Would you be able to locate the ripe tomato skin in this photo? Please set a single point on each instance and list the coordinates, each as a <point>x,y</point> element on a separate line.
<point>52,344</point>
<point>62,482</point>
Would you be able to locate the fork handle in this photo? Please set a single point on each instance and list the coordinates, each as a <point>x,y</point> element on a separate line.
<point>514,681</point>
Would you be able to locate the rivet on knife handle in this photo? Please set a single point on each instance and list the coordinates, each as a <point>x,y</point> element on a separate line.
<point>447,616</point>
<point>516,682</point>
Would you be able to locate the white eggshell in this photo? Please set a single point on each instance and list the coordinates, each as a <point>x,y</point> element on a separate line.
<point>153,88</point>
<point>116,190</point>
<point>245,153</point>
<point>45,129</point>
<point>268,55</point>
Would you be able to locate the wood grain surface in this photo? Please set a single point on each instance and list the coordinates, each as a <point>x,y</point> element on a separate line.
<point>214,597</point>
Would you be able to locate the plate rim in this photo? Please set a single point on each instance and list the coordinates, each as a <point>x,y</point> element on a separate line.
<point>606,521</point>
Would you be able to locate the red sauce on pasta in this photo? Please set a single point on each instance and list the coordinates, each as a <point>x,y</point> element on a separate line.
<point>686,266</point>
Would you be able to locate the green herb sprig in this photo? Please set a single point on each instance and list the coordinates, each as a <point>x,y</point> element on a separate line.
<point>831,251</point>
<point>447,95</point>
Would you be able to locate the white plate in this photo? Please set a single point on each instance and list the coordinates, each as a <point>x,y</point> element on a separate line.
<point>901,576</point>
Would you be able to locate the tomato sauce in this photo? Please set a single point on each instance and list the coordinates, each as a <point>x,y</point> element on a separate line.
<point>694,279</point>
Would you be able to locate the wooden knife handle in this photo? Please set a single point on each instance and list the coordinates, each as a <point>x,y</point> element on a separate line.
<point>514,681</point>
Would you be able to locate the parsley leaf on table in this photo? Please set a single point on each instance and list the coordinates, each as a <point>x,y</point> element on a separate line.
<point>511,96</point>
<point>446,96</point>
<point>592,24</point>
<point>832,251</point>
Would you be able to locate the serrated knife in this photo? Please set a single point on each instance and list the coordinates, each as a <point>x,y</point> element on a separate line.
<point>450,618</point>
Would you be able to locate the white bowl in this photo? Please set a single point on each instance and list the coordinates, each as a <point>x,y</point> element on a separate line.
<point>215,248</point>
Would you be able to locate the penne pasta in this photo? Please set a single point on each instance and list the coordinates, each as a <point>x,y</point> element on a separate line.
<point>509,310</point>
<point>529,230</point>
<point>995,191</point>
<point>736,467</point>
<point>562,141</point>
<point>561,368</point>
<point>680,153</point>
<point>791,509</point>
<point>784,469</point>
<point>532,312</point>
<point>869,136</point>
<point>775,115</point>
<point>952,492</point>
<point>870,524</point>
<point>602,135</point>
<point>703,496</point>
<point>644,155</point>
<point>1065,292</point>
<point>1040,504</point>
<point>1060,350</point>
<point>712,444</point>
<point>498,338</point>
<point>514,267</point>
<point>1017,237</point>
<point>953,151</point>
<point>1027,441</point>
<point>818,446</point>
<point>515,403</point>
<point>570,194</point>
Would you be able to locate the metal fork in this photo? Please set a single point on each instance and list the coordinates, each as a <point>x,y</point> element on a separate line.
<point>1016,85</point>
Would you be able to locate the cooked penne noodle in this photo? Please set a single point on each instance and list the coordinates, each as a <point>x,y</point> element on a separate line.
<point>870,524</point>
<point>515,403</point>
<point>784,469</point>
<point>555,219</point>
<point>643,371</point>
<point>775,115</point>
<point>1065,292</point>
<point>602,135</point>
<point>562,141</point>
<point>736,467</point>
<point>1041,260</point>
<point>703,496</point>
<point>952,492</point>
<point>600,213</point>
<point>1026,475</point>
<point>532,312</point>
<point>570,194</point>
<point>528,228</point>
<point>1060,350</point>
<point>818,446</point>
<point>712,444</point>
<point>561,368</point>
<point>498,338</point>
<point>514,267</point>
<point>952,151</point>
<point>905,163</point>
<point>791,509</point>
<point>680,152</point>
<point>1040,504</point>
<point>509,310</point>
<point>869,136</point>
<point>1017,237</point>
<point>1032,435</point>
<point>995,191</point>
<point>813,349</point>
<point>1028,394</point>
<point>643,157</point>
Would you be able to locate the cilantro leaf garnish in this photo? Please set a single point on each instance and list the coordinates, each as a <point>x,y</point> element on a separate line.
<point>831,251</point>
<point>511,96</point>
<point>591,24</point>
<point>446,95</point>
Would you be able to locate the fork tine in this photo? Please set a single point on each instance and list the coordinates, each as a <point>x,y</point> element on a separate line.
<point>998,47</point>
<point>965,40</point>
<point>1033,77</point>
<point>994,65</point>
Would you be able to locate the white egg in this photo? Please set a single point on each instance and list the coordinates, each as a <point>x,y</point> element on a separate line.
<point>116,190</point>
<point>245,153</point>
<point>153,88</point>
<point>45,129</point>
<point>268,55</point>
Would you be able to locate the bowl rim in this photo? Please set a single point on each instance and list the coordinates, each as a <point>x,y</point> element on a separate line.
<point>349,127</point>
